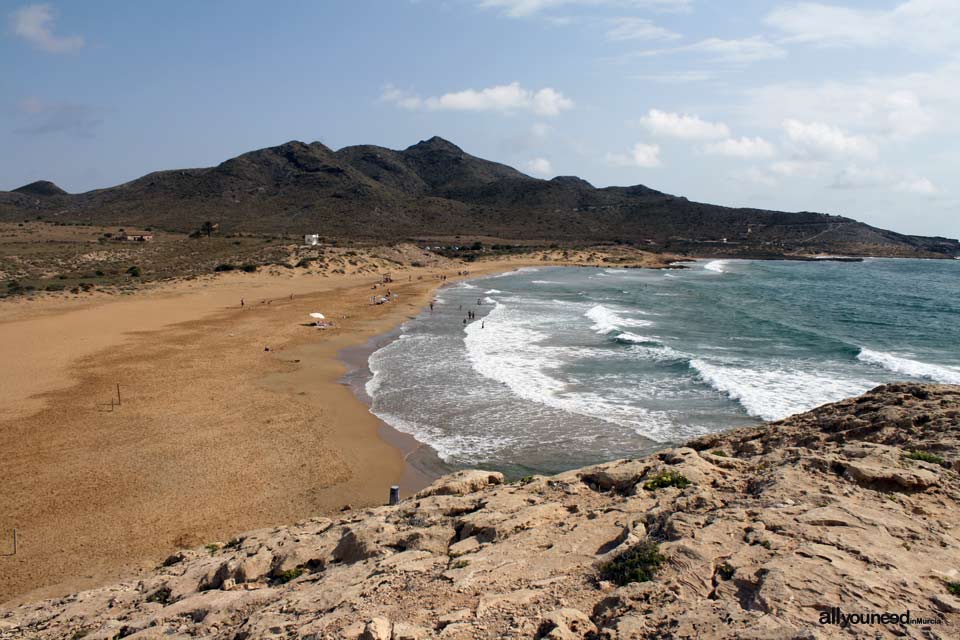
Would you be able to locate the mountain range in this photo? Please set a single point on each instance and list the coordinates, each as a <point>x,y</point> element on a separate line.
<point>434,189</point>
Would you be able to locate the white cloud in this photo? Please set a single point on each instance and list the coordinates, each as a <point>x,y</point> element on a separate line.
<point>916,24</point>
<point>629,28</point>
<point>857,177</point>
<point>741,148</point>
<point>503,98</point>
<point>641,155</point>
<point>539,167</point>
<point>818,138</point>
<point>523,8</point>
<point>898,107</point>
<point>401,98</point>
<point>737,51</point>
<point>35,23</point>
<point>683,126</point>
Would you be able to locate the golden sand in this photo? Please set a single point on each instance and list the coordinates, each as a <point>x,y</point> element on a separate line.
<point>215,434</point>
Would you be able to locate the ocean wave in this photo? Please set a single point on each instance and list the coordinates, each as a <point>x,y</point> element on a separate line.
<point>511,350</point>
<point>489,300</point>
<point>490,291</point>
<point>607,321</point>
<point>912,368</point>
<point>467,285</point>
<point>716,266</point>
<point>544,282</point>
<point>774,394</point>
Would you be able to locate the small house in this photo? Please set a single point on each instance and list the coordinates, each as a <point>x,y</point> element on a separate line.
<point>311,239</point>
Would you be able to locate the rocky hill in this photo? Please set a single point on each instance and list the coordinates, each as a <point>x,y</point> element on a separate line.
<point>776,531</point>
<point>434,189</point>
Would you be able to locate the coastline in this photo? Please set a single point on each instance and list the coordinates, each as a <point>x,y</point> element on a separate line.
<point>232,418</point>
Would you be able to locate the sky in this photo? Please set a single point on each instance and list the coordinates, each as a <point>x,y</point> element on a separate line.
<point>845,107</point>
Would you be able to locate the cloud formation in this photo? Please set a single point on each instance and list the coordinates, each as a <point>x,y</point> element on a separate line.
<point>539,167</point>
<point>915,24</point>
<point>819,139</point>
<point>35,24</point>
<point>641,155</point>
<point>523,8</point>
<point>631,28</point>
<point>741,148</point>
<point>683,126</point>
<point>736,51</point>
<point>502,98</point>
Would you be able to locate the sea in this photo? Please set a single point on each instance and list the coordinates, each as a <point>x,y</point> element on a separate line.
<point>560,367</point>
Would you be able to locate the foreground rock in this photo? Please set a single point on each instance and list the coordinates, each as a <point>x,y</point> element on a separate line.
<point>777,526</point>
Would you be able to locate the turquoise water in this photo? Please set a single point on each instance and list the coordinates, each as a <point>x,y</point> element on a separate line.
<point>568,366</point>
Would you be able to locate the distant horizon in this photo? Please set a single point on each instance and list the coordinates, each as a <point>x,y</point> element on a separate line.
<point>844,106</point>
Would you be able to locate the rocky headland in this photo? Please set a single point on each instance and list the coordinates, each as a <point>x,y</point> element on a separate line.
<point>775,531</point>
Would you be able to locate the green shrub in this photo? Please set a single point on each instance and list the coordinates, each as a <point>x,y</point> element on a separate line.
<point>460,564</point>
<point>927,457</point>
<point>637,564</point>
<point>224,267</point>
<point>290,574</point>
<point>954,588</point>
<point>719,452</point>
<point>666,479</point>
<point>134,272</point>
<point>249,268</point>
<point>212,548</point>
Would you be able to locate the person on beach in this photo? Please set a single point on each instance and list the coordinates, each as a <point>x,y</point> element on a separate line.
<point>241,303</point>
<point>431,307</point>
<point>482,323</point>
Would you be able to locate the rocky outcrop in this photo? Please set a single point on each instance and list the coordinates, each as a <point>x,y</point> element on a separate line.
<point>852,508</point>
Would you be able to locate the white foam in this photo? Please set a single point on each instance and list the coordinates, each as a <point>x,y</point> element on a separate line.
<point>489,300</point>
<point>775,393</point>
<point>489,291</point>
<point>467,285</point>
<point>512,350</point>
<point>606,320</point>
<point>544,282</point>
<point>912,368</point>
<point>716,266</point>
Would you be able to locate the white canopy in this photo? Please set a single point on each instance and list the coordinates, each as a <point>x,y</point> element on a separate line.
<point>318,316</point>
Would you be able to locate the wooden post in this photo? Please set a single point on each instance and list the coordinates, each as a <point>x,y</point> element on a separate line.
<point>394,494</point>
<point>118,395</point>
<point>14,541</point>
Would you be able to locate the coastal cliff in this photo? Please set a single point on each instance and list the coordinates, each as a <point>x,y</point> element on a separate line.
<point>774,531</point>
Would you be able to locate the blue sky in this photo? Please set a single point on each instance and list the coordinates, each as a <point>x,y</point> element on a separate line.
<point>843,107</point>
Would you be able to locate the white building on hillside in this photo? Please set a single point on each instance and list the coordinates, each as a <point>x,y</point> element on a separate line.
<point>311,239</point>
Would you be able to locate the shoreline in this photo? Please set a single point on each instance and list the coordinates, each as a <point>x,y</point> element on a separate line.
<point>232,419</point>
<point>422,465</point>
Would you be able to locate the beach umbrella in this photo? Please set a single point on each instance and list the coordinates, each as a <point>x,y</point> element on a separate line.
<point>318,316</point>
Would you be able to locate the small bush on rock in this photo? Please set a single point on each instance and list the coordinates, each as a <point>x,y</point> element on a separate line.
<point>637,564</point>
<point>927,457</point>
<point>666,479</point>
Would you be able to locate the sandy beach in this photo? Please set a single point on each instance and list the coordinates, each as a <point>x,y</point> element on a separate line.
<point>215,435</point>
<point>231,418</point>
